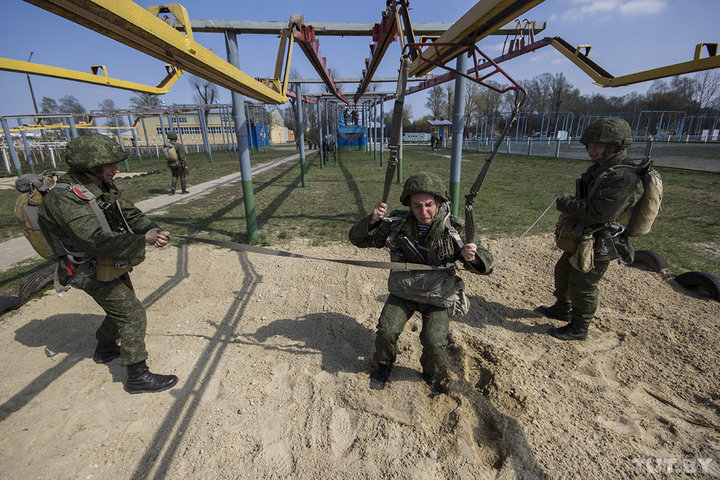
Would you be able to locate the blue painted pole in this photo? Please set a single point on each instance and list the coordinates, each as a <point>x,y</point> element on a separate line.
<point>458,127</point>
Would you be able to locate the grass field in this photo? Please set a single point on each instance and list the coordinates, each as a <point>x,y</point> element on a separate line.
<point>515,192</point>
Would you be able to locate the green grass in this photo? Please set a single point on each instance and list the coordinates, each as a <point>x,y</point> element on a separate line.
<point>515,192</point>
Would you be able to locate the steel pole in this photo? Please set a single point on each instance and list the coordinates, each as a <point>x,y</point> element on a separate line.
<point>458,127</point>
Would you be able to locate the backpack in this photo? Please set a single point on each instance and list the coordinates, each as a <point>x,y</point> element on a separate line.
<point>639,219</point>
<point>33,188</point>
<point>170,153</point>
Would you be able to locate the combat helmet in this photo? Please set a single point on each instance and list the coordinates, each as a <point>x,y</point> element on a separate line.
<point>613,131</point>
<point>172,136</point>
<point>423,182</point>
<point>87,152</point>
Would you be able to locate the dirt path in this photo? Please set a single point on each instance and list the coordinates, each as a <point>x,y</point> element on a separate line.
<point>273,356</point>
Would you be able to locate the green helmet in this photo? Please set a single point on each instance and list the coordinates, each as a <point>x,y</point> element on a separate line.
<point>88,152</point>
<point>172,136</point>
<point>613,131</point>
<point>423,182</point>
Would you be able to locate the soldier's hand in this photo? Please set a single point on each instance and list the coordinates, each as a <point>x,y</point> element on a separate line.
<point>378,212</point>
<point>163,238</point>
<point>468,252</point>
<point>562,201</point>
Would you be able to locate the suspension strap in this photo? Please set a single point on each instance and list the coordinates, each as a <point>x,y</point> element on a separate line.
<point>396,126</point>
<point>240,247</point>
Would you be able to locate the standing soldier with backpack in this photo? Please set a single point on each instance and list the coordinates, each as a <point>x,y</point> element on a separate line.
<point>99,236</point>
<point>175,155</point>
<point>587,231</point>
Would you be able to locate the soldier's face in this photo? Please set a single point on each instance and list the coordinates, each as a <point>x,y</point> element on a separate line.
<point>109,171</point>
<point>597,150</point>
<point>424,207</point>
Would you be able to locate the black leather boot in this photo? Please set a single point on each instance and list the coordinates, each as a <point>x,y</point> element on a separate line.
<point>559,311</point>
<point>106,352</point>
<point>570,332</point>
<point>141,380</point>
<point>379,376</point>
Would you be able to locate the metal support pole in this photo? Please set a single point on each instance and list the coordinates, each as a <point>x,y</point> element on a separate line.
<point>458,127</point>
<point>135,138</point>
<point>301,133</point>
<point>382,129</point>
<point>11,147</point>
<point>73,130</point>
<point>203,129</point>
<point>238,110</point>
<point>162,129</point>
<point>321,140</point>
<point>26,147</point>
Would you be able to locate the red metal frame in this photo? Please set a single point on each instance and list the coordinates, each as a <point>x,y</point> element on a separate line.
<point>383,34</point>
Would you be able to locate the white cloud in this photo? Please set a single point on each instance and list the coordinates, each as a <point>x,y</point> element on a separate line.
<point>602,10</point>
<point>643,7</point>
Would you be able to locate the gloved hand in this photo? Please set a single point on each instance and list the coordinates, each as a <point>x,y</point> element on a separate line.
<point>562,201</point>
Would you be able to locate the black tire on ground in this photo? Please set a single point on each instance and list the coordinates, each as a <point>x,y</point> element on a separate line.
<point>8,303</point>
<point>708,283</point>
<point>653,260</point>
<point>35,282</point>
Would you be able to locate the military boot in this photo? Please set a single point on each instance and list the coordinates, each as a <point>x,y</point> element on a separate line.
<point>559,311</point>
<point>106,352</point>
<point>141,380</point>
<point>570,332</point>
<point>379,376</point>
<point>435,384</point>
<point>172,189</point>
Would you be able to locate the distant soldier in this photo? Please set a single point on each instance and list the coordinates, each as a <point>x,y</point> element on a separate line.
<point>433,139</point>
<point>427,234</point>
<point>587,231</point>
<point>104,235</point>
<point>176,162</point>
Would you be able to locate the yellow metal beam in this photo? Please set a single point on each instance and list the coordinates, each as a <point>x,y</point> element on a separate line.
<point>603,78</point>
<point>480,21</point>
<point>141,29</point>
<point>48,71</point>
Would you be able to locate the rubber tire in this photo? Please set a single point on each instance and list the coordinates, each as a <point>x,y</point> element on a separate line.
<point>35,282</point>
<point>708,283</point>
<point>9,303</point>
<point>653,260</point>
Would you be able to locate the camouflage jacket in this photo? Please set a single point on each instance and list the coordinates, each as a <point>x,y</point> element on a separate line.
<point>617,193</point>
<point>364,235</point>
<point>66,215</point>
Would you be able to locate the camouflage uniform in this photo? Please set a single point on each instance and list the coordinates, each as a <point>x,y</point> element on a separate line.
<point>68,216</point>
<point>177,167</point>
<point>577,292</point>
<point>397,311</point>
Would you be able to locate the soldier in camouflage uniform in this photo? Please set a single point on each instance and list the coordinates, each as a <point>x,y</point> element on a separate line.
<point>421,235</point>
<point>68,214</point>
<point>576,292</point>
<point>179,166</point>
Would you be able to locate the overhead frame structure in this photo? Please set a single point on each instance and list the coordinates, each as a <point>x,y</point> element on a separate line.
<point>142,30</point>
<point>105,80</point>
<point>480,21</point>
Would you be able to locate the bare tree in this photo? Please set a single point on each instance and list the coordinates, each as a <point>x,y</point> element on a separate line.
<point>145,101</point>
<point>108,106</point>
<point>205,92</point>
<point>707,89</point>
<point>436,101</point>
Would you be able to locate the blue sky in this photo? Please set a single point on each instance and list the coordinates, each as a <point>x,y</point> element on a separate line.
<point>626,36</point>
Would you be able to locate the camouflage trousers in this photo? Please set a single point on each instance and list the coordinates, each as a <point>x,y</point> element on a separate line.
<point>178,172</point>
<point>125,316</point>
<point>578,289</point>
<point>433,336</point>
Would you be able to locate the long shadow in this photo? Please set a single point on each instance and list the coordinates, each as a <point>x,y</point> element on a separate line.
<point>340,339</point>
<point>181,273</point>
<point>35,334</point>
<point>484,313</point>
<point>353,187</point>
<point>189,396</point>
<point>495,429</point>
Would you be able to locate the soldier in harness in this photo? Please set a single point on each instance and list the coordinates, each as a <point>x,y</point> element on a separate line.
<point>425,234</point>
<point>587,231</point>
<point>99,236</point>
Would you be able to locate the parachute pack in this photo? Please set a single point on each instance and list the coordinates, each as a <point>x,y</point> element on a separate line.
<point>170,153</point>
<point>639,219</point>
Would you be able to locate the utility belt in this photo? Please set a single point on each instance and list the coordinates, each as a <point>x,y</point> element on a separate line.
<point>585,242</point>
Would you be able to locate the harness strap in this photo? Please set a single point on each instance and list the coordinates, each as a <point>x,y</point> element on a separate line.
<point>280,253</point>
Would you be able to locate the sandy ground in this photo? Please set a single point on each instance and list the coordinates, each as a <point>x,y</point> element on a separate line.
<point>273,356</point>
